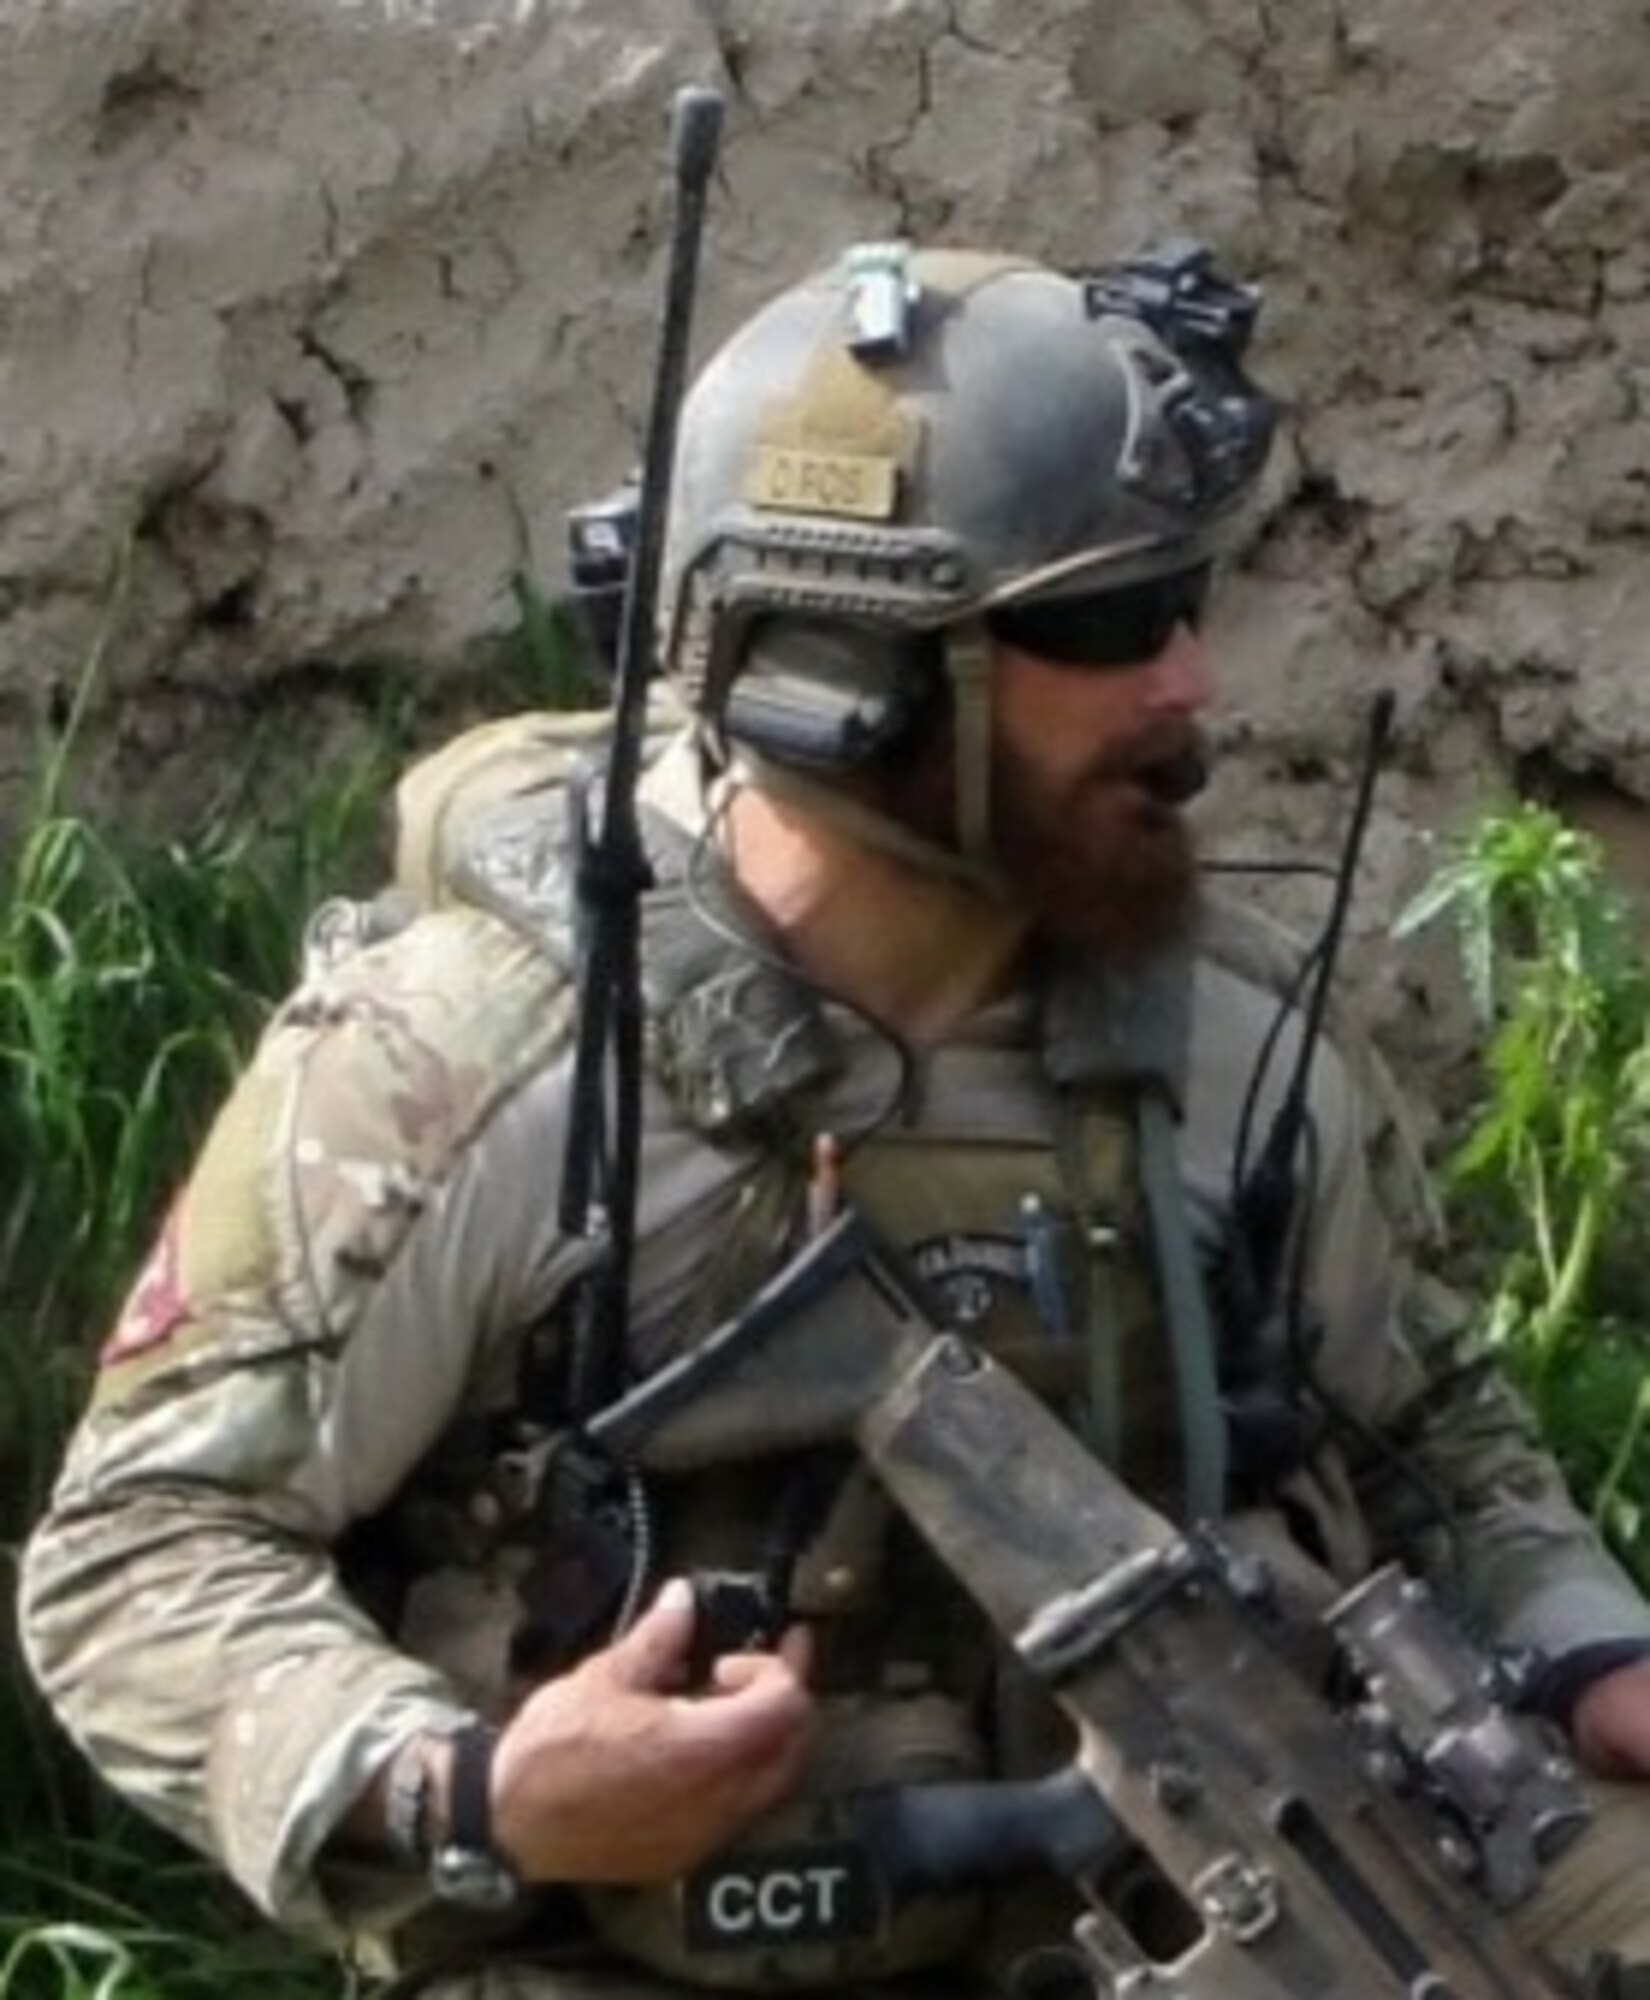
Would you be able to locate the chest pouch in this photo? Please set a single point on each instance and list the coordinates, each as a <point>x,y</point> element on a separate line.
<point>1030,1249</point>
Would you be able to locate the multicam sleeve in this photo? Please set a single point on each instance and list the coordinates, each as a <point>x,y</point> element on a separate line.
<point>313,1315</point>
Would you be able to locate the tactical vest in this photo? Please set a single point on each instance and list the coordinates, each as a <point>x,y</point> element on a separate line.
<point>1021,1186</point>
<point>1028,1233</point>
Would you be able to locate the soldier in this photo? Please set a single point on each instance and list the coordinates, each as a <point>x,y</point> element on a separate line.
<point>319,1589</point>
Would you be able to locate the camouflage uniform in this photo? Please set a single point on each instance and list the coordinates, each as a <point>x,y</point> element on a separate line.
<point>339,1296</point>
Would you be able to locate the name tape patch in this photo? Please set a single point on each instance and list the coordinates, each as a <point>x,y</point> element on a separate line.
<point>823,1893</point>
<point>824,482</point>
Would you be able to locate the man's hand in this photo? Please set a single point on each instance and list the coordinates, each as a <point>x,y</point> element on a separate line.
<point>1610,1724</point>
<point>612,1773</point>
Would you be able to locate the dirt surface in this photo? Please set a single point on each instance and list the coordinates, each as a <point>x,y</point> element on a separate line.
<point>321,314</point>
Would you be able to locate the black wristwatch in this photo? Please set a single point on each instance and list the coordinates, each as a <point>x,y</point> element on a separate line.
<point>465,1867</point>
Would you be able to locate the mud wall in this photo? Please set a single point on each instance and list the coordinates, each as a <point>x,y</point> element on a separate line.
<point>315,314</point>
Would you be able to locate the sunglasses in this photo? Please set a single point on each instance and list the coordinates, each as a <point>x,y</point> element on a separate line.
<point>1110,628</point>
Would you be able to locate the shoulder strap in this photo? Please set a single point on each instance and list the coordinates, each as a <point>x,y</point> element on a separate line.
<point>1108,1028</point>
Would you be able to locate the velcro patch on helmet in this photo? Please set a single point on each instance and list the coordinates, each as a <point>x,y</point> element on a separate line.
<point>792,479</point>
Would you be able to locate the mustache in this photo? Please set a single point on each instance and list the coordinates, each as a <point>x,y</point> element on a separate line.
<point>1170,761</point>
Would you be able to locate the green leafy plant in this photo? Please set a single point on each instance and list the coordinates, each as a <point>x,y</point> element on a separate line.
<point>1553,1166</point>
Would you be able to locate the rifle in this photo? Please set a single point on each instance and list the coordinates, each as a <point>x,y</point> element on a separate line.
<point>1300,1851</point>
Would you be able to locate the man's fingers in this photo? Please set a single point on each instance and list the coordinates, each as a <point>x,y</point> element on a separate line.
<point>794,1653</point>
<point>736,1673</point>
<point>757,1709</point>
<point>618,1773</point>
<point>796,1649</point>
<point>653,1654</point>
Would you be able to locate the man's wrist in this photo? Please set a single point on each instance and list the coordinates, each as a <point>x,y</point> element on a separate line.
<point>432,1810</point>
<point>1569,1675</point>
<point>467,1864</point>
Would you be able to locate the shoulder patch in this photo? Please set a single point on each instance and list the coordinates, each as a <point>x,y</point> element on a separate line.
<point>156,1306</point>
<point>393,1066</point>
<point>442,799</point>
<point>363,1095</point>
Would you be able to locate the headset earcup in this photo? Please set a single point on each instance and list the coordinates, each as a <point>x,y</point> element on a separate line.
<point>827,695</point>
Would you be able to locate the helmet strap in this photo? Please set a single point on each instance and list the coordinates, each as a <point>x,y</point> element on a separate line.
<point>968,668</point>
<point>861,822</point>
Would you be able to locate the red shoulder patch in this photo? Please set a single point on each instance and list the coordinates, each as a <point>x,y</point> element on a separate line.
<point>156,1306</point>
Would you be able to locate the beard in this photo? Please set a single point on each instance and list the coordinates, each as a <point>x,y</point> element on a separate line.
<point>1103,859</point>
<point>1106,859</point>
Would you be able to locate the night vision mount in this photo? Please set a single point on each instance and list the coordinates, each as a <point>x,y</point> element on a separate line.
<point>1224,420</point>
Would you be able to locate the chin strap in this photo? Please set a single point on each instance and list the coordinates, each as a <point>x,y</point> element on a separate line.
<point>968,668</point>
<point>835,808</point>
<point>973,859</point>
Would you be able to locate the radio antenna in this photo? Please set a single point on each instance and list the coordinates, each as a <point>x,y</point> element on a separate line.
<point>600,1163</point>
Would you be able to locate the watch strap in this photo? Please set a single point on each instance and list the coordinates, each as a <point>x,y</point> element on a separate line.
<point>469,1789</point>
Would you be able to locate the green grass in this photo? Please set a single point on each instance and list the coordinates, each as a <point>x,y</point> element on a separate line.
<point>139,1923</point>
<point>131,986</point>
<point>134,977</point>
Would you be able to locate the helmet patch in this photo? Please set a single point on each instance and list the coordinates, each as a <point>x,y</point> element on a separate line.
<point>786,479</point>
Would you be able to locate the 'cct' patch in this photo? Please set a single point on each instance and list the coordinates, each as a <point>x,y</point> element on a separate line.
<point>819,1894</point>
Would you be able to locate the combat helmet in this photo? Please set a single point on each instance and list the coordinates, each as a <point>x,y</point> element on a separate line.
<point>912,442</point>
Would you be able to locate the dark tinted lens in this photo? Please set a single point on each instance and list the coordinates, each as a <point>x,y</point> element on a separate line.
<point>1112,628</point>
